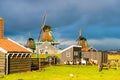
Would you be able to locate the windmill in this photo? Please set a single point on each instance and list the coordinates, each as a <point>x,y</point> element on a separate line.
<point>31,43</point>
<point>41,30</point>
<point>46,34</point>
<point>82,41</point>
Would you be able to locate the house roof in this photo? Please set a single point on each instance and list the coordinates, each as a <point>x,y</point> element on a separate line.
<point>10,46</point>
<point>87,49</point>
<point>70,47</point>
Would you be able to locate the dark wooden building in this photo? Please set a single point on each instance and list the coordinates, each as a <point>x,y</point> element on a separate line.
<point>71,54</point>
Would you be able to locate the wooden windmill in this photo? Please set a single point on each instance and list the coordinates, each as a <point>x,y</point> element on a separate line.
<point>41,30</point>
<point>31,43</point>
<point>46,34</point>
<point>46,42</point>
<point>82,41</point>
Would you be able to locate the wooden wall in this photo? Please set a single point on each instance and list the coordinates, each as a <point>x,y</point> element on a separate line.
<point>101,57</point>
<point>74,55</point>
<point>35,63</point>
<point>67,55</point>
<point>19,65</point>
<point>2,63</point>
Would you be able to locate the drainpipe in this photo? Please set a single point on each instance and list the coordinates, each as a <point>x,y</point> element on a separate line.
<point>7,63</point>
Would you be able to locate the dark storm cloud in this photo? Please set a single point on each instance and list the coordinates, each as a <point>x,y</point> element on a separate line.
<point>97,18</point>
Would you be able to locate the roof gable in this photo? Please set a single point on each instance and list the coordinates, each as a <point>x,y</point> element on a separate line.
<point>12,46</point>
<point>88,49</point>
<point>70,47</point>
<point>47,44</point>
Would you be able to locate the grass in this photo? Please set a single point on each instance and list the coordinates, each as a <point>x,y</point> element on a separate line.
<point>44,55</point>
<point>113,56</point>
<point>64,72</point>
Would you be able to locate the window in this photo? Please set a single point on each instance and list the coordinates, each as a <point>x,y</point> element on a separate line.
<point>68,54</point>
<point>46,51</point>
<point>46,47</point>
<point>75,53</point>
<point>41,51</point>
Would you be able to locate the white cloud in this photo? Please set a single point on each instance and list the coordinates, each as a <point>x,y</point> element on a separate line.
<point>107,43</point>
<point>19,39</point>
<point>100,44</point>
<point>66,42</point>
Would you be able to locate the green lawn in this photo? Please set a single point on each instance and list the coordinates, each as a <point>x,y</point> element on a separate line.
<point>63,72</point>
<point>44,55</point>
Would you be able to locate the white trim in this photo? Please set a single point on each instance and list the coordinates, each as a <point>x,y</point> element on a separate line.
<point>70,47</point>
<point>3,50</point>
<point>19,45</point>
<point>12,55</point>
<point>7,63</point>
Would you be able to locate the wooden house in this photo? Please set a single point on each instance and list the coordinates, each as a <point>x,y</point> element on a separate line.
<point>13,56</point>
<point>72,54</point>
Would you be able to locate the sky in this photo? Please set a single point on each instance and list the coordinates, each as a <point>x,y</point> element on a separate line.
<point>98,19</point>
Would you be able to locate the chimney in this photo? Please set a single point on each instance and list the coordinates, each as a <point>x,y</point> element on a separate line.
<point>1,28</point>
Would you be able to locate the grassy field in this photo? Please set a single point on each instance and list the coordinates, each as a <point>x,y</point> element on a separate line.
<point>66,72</point>
<point>44,55</point>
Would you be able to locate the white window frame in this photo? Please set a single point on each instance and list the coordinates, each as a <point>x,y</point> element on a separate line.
<point>68,54</point>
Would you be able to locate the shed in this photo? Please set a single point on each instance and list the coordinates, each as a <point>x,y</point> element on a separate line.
<point>71,54</point>
<point>13,57</point>
<point>99,57</point>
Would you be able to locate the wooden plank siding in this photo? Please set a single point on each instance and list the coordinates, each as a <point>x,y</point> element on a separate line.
<point>67,55</point>
<point>101,57</point>
<point>71,54</point>
<point>35,63</point>
<point>2,63</point>
<point>19,65</point>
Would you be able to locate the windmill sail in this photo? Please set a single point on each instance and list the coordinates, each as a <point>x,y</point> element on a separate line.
<point>41,30</point>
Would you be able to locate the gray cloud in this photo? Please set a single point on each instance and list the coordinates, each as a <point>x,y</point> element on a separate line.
<point>97,18</point>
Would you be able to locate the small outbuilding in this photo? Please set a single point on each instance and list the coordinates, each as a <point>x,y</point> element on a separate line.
<point>71,55</point>
<point>13,57</point>
<point>91,55</point>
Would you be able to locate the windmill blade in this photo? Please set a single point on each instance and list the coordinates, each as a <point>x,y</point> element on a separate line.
<point>80,34</point>
<point>28,38</point>
<point>41,30</point>
<point>43,23</point>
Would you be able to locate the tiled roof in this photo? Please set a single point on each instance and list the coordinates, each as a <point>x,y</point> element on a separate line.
<point>12,47</point>
<point>85,48</point>
<point>88,48</point>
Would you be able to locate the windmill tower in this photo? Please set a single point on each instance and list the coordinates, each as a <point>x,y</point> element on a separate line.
<point>82,41</point>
